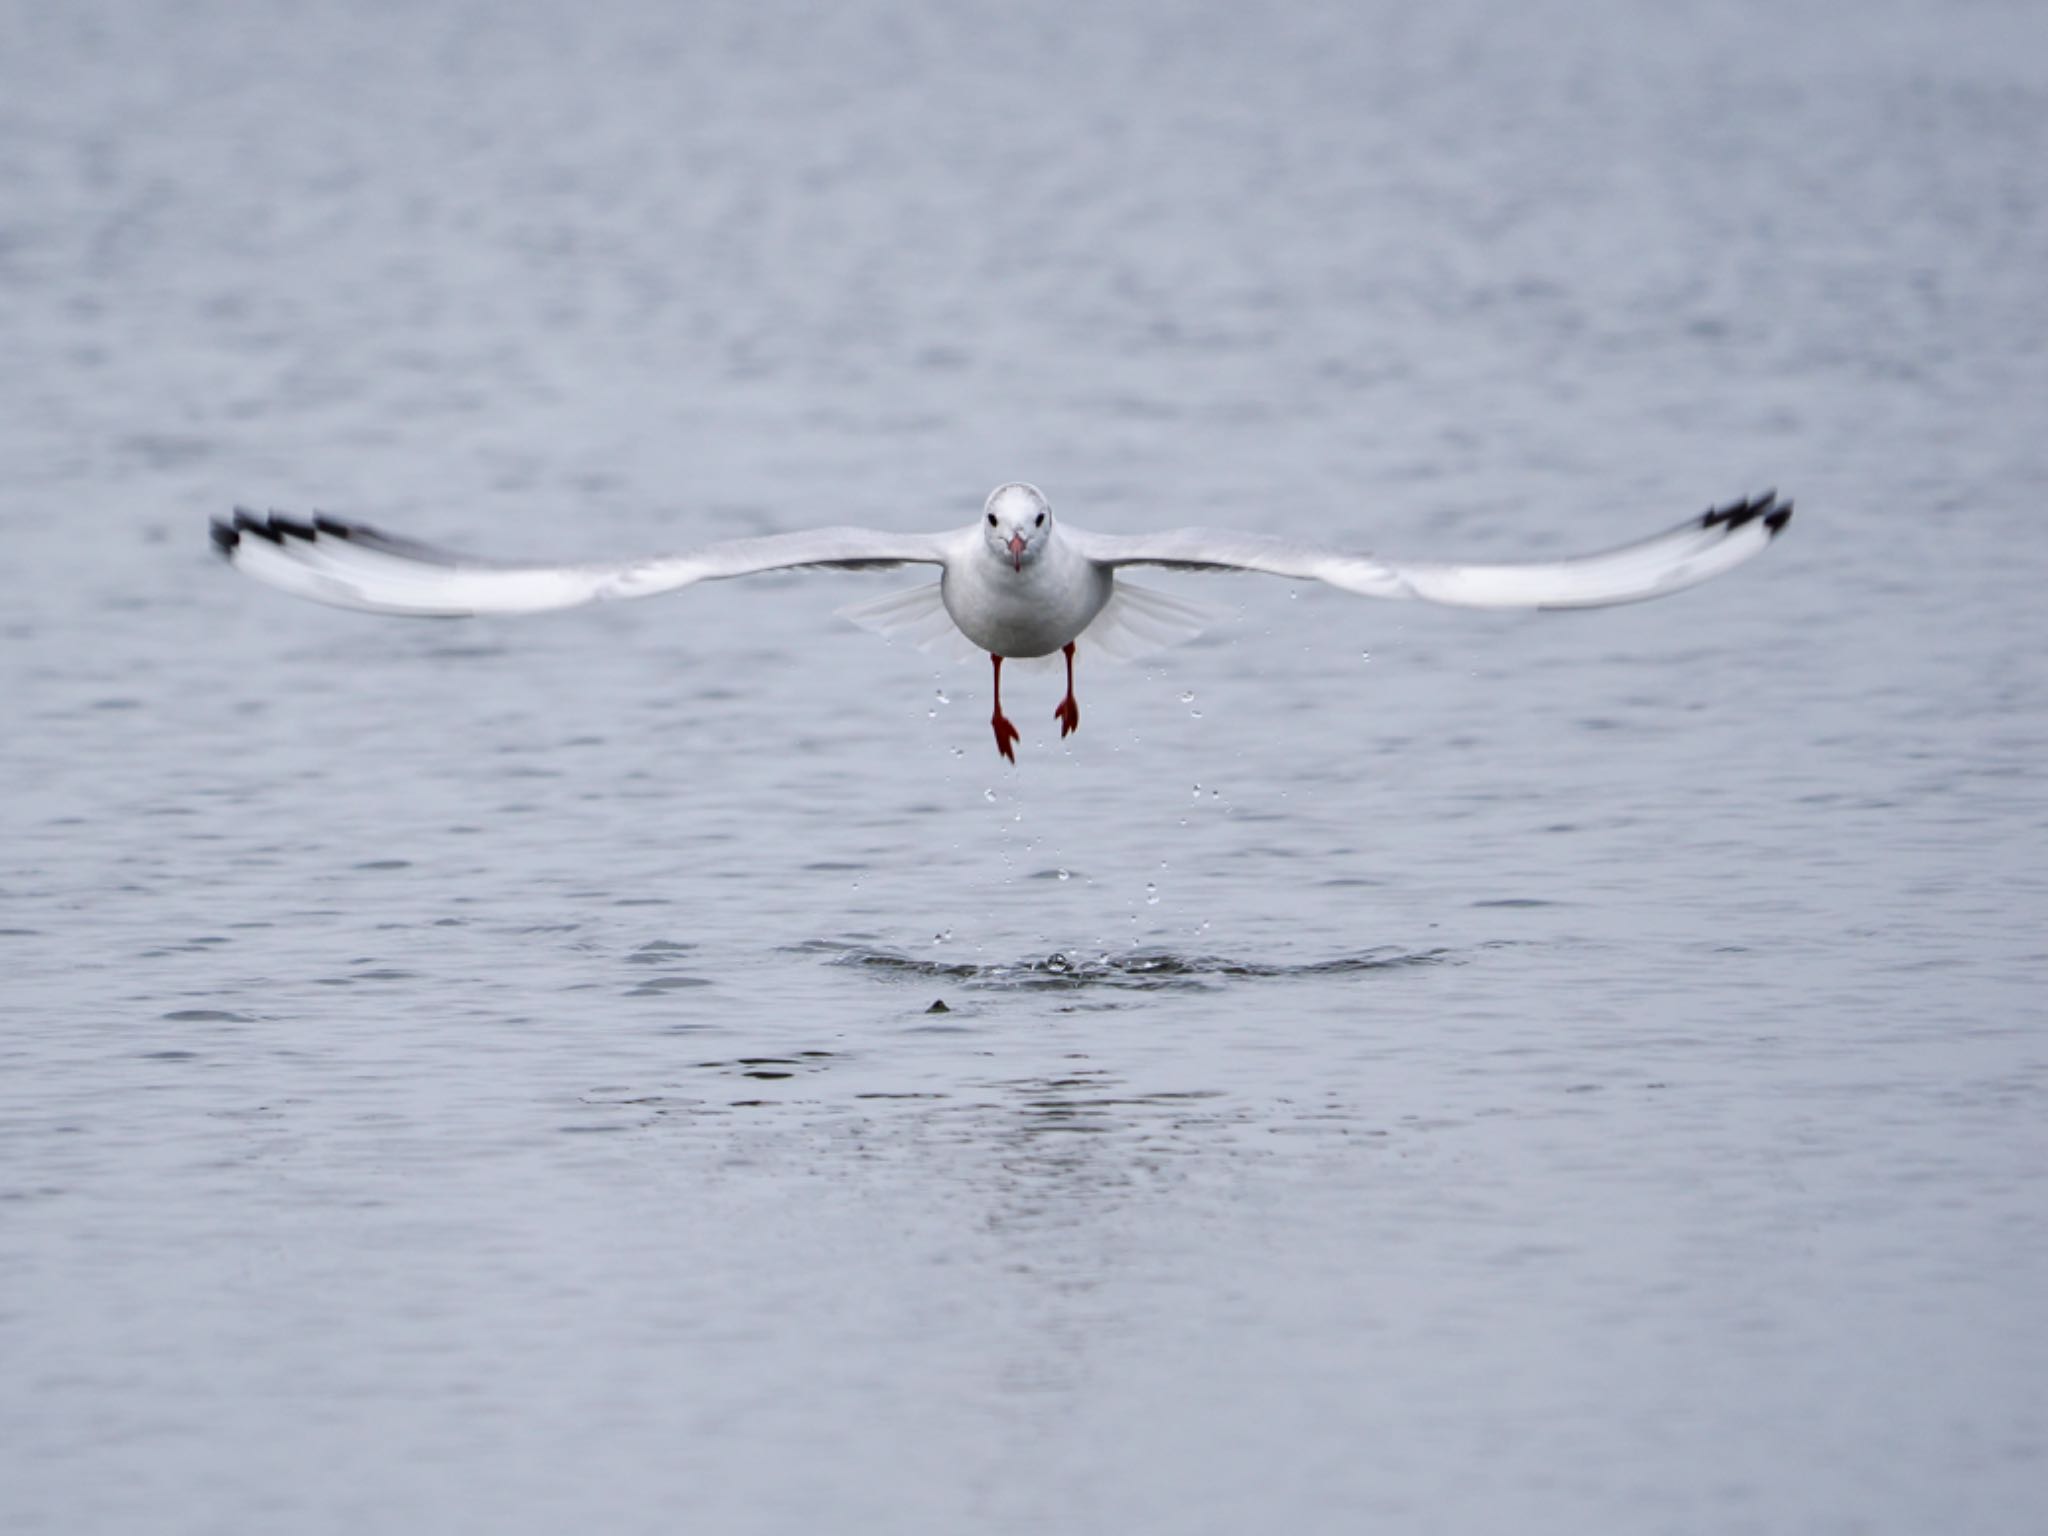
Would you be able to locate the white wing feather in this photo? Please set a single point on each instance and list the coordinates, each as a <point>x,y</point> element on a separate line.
<point>350,565</point>
<point>919,616</point>
<point>1700,548</point>
<point>1137,621</point>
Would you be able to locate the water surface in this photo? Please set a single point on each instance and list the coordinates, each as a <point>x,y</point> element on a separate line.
<point>656,1068</point>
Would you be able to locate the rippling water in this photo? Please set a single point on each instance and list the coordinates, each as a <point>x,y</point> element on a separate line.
<point>656,1068</point>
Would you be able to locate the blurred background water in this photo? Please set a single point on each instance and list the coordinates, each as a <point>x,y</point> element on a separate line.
<point>1399,1069</point>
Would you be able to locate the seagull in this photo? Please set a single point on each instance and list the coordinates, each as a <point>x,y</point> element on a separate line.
<point>1015,584</point>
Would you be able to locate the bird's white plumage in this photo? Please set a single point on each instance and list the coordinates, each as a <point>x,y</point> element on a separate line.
<point>1014,584</point>
<point>1063,585</point>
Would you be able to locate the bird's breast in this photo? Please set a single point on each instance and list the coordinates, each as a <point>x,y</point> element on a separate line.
<point>1032,612</point>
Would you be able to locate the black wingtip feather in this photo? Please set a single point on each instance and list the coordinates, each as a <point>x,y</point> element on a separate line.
<point>1774,513</point>
<point>278,527</point>
<point>1735,514</point>
<point>248,522</point>
<point>224,538</point>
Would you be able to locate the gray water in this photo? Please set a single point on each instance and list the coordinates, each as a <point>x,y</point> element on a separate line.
<point>1399,1069</point>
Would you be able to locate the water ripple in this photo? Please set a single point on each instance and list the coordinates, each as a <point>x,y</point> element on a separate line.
<point>1146,970</point>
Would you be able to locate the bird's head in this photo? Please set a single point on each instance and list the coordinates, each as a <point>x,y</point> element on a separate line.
<point>1017,523</point>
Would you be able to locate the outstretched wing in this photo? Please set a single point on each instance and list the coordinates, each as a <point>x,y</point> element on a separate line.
<point>353,566</point>
<point>1697,549</point>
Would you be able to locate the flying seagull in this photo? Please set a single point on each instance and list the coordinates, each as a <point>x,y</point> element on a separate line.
<point>1015,584</point>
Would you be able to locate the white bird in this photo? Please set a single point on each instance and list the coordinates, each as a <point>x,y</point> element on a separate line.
<point>1015,584</point>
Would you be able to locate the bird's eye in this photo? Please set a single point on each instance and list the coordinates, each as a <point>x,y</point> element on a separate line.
<point>991,519</point>
<point>1041,519</point>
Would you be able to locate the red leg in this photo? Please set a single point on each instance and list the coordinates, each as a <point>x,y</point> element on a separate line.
<point>1006,733</point>
<point>1068,711</point>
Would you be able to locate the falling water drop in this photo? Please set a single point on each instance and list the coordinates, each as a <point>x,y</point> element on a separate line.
<point>1151,894</point>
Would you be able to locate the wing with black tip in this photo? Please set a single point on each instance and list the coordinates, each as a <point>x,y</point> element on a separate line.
<point>351,565</point>
<point>1695,551</point>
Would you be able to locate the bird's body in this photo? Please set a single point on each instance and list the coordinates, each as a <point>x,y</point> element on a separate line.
<point>1014,584</point>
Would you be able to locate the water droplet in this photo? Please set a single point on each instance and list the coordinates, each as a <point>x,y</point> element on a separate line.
<point>1058,962</point>
<point>1151,894</point>
<point>941,694</point>
<point>1198,791</point>
<point>989,794</point>
<point>1066,874</point>
<point>1365,655</point>
<point>1188,697</point>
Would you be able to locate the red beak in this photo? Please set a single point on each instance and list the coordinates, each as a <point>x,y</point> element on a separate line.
<point>1017,550</point>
